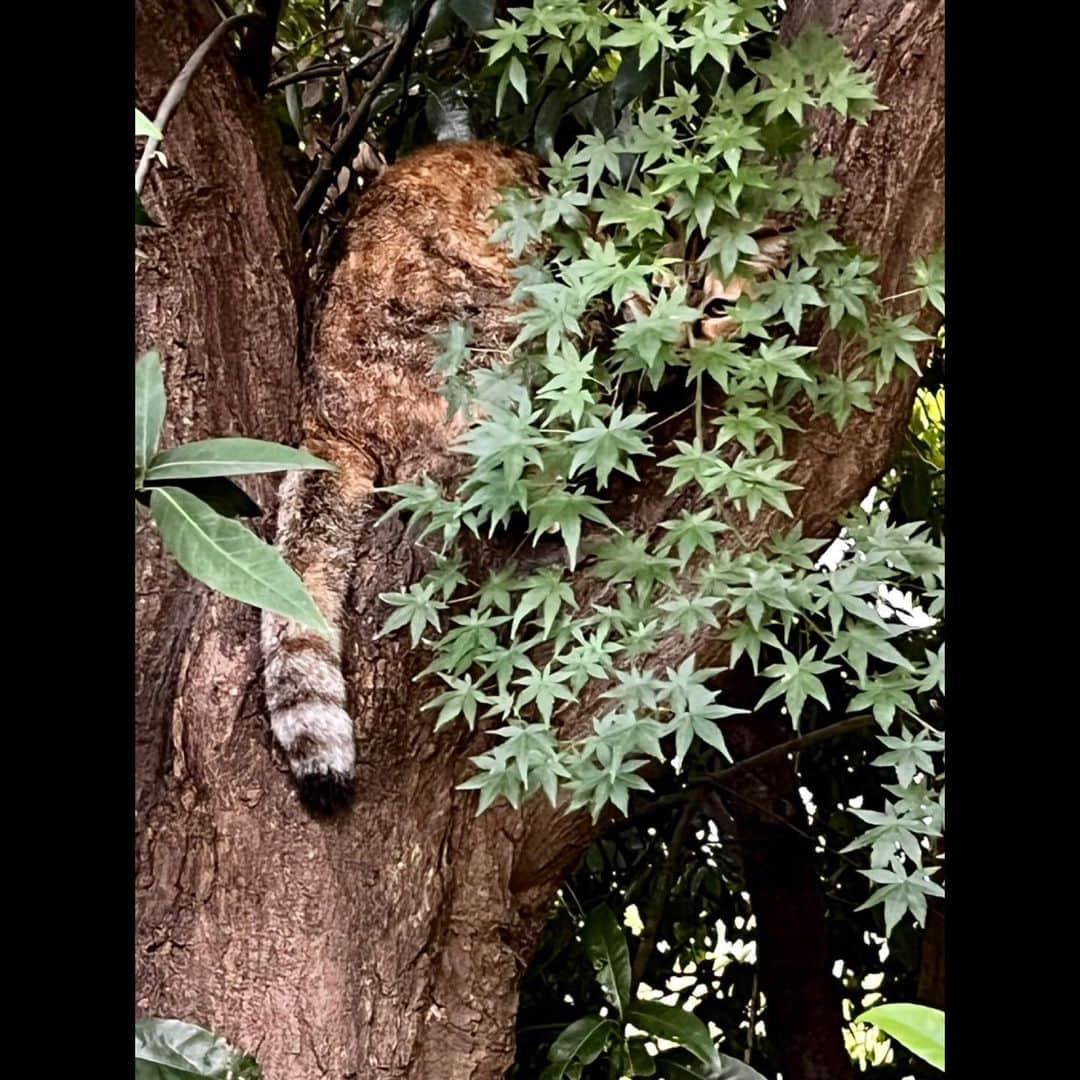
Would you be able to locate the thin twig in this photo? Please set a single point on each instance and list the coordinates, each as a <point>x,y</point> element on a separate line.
<point>287,52</point>
<point>317,71</point>
<point>831,731</point>
<point>790,825</point>
<point>176,92</point>
<point>347,144</point>
<point>754,992</point>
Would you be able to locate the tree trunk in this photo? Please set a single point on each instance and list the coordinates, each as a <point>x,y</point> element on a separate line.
<point>802,1012</point>
<point>390,941</point>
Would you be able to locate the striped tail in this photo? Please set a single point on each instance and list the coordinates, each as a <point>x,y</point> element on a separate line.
<point>305,689</point>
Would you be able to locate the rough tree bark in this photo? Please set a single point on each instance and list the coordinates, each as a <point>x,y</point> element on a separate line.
<point>388,943</point>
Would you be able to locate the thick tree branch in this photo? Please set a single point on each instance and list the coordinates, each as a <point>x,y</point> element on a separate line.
<point>662,886</point>
<point>792,746</point>
<point>179,87</point>
<point>257,46</point>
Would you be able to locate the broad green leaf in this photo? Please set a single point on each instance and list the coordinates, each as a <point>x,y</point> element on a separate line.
<point>230,558</point>
<point>145,126</point>
<point>680,1066</point>
<point>605,943</point>
<point>173,1050</point>
<point>396,13</point>
<point>229,457</point>
<point>918,1027</point>
<point>583,1040</point>
<point>519,80</point>
<point>562,1070</point>
<point>295,108</point>
<point>149,410</point>
<point>676,1025</point>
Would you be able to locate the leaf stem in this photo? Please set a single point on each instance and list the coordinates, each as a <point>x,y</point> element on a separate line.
<point>699,420</point>
<point>897,296</point>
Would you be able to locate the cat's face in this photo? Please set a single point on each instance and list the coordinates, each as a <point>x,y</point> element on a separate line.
<point>721,296</point>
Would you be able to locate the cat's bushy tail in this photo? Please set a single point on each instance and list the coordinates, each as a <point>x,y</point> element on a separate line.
<point>318,520</point>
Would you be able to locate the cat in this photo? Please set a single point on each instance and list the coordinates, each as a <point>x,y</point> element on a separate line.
<point>417,257</point>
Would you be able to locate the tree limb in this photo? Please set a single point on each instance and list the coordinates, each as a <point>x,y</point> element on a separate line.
<point>258,43</point>
<point>179,86</point>
<point>662,887</point>
<point>811,738</point>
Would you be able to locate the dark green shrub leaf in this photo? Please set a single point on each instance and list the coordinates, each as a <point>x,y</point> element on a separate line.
<point>734,1069</point>
<point>295,107</point>
<point>475,14</point>
<point>395,13</point>
<point>605,943</point>
<point>641,1061</point>
<point>230,558</point>
<point>227,498</point>
<point>680,1065</point>
<point>584,1040</point>
<point>676,1025</point>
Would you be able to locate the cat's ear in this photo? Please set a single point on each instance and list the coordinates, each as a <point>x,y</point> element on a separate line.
<point>774,252</point>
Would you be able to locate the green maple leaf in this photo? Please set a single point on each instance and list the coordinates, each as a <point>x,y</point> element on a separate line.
<point>637,210</point>
<point>892,340</point>
<point>713,37</point>
<point>545,688</point>
<point>797,679</point>
<point>810,183</point>
<point>747,638</point>
<point>929,274</point>
<point>776,359</point>
<point>838,396</point>
<point>792,292</point>
<point>720,360</point>
<point>691,532</point>
<point>598,155</point>
<point>546,589</point>
<point>604,447</point>
<point>647,31</point>
<point>564,510</point>
<point>727,241</point>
